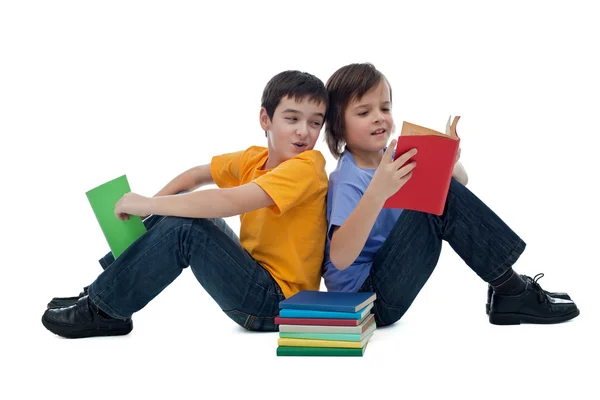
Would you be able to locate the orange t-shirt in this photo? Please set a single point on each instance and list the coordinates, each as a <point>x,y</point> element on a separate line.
<point>288,238</point>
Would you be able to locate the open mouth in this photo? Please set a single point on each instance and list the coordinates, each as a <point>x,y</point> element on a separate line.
<point>378,132</point>
<point>300,145</point>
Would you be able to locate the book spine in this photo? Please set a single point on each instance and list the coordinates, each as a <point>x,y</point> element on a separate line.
<point>318,307</point>
<point>321,329</point>
<point>318,351</point>
<point>295,313</point>
<point>440,209</point>
<point>316,321</point>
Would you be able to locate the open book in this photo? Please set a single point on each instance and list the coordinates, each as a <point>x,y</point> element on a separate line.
<point>427,189</point>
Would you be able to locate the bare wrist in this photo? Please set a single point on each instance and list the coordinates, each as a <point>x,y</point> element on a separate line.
<point>150,205</point>
<point>374,198</point>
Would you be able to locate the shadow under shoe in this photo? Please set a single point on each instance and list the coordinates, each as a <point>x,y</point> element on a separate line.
<point>558,295</point>
<point>533,306</point>
<point>58,302</point>
<point>80,320</point>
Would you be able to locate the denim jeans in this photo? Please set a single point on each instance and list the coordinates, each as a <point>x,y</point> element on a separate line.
<point>243,289</point>
<point>411,251</point>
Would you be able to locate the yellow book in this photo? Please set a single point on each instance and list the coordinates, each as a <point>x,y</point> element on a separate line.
<point>322,343</point>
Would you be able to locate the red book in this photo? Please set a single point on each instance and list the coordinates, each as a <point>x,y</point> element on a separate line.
<point>319,321</point>
<point>427,189</point>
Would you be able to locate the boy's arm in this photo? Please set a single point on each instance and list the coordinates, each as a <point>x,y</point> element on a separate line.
<point>188,181</point>
<point>348,240</point>
<point>210,203</point>
<point>460,174</point>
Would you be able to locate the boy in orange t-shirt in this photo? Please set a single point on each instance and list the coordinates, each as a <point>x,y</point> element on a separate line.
<point>278,192</point>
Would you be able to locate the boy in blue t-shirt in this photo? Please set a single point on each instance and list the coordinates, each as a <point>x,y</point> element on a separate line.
<point>393,252</point>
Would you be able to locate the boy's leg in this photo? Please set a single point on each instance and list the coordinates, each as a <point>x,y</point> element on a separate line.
<point>241,287</point>
<point>149,222</point>
<point>486,244</point>
<point>104,263</point>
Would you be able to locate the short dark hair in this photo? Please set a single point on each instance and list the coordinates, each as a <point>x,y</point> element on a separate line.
<point>346,84</point>
<point>294,84</point>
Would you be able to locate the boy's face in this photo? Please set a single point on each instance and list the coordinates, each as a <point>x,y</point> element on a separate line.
<point>295,128</point>
<point>369,120</point>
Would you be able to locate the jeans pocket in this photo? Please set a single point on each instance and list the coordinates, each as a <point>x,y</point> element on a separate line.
<point>252,322</point>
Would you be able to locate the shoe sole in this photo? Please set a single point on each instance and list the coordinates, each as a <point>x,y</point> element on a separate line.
<point>67,331</point>
<point>517,319</point>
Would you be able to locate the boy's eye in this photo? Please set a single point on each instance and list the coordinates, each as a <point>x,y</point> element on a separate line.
<point>385,109</point>
<point>291,118</point>
<point>316,123</point>
<point>363,113</point>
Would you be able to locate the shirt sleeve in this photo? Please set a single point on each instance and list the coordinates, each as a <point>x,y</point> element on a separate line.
<point>345,198</point>
<point>292,182</point>
<point>225,169</point>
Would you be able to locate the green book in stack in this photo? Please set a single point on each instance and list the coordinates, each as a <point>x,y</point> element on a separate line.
<point>320,351</point>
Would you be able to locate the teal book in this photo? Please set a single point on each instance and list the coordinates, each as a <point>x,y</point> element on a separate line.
<point>328,301</point>
<point>118,234</point>
<point>283,351</point>
<point>344,337</point>
<point>293,313</point>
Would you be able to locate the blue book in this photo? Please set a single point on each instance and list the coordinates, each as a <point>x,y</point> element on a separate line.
<point>328,301</point>
<point>292,313</point>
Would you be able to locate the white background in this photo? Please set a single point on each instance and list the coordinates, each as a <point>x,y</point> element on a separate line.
<point>93,90</point>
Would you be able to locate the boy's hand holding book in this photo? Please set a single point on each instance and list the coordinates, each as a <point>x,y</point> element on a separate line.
<point>391,174</point>
<point>121,232</point>
<point>132,204</point>
<point>438,162</point>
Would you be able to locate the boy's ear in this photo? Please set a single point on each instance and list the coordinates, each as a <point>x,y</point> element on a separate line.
<point>265,121</point>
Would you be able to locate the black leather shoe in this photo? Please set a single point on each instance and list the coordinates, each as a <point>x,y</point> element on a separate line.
<point>558,295</point>
<point>57,302</point>
<point>80,320</point>
<point>533,306</point>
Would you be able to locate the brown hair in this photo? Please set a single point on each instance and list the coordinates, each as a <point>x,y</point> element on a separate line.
<point>294,84</point>
<point>346,84</point>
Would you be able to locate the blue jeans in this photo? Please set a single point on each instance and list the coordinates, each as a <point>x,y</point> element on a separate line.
<point>411,251</point>
<point>243,289</point>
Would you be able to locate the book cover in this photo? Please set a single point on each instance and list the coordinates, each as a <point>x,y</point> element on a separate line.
<point>328,301</point>
<point>292,313</point>
<point>320,351</point>
<point>427,189</point>
<point>344,337</point>
<point>320,321</point>
<point>118,234</point>
<point>363,327</point>
<point>323,343</point>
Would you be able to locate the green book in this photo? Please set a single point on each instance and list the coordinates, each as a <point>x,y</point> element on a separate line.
<point>320,351</point>
<point>344,337</point>
<point>119,234</point>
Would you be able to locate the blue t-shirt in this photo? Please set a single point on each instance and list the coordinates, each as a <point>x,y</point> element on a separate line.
<point>347,184</point>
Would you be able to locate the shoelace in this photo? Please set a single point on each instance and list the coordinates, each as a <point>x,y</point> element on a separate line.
<point>543,298</point>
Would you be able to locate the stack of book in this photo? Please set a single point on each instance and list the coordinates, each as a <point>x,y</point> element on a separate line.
<point>313,323</point>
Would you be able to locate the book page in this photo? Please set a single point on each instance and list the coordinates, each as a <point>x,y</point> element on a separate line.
<point>409,129</point>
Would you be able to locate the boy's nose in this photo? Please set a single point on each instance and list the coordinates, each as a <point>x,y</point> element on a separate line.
<point>302,130</point>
